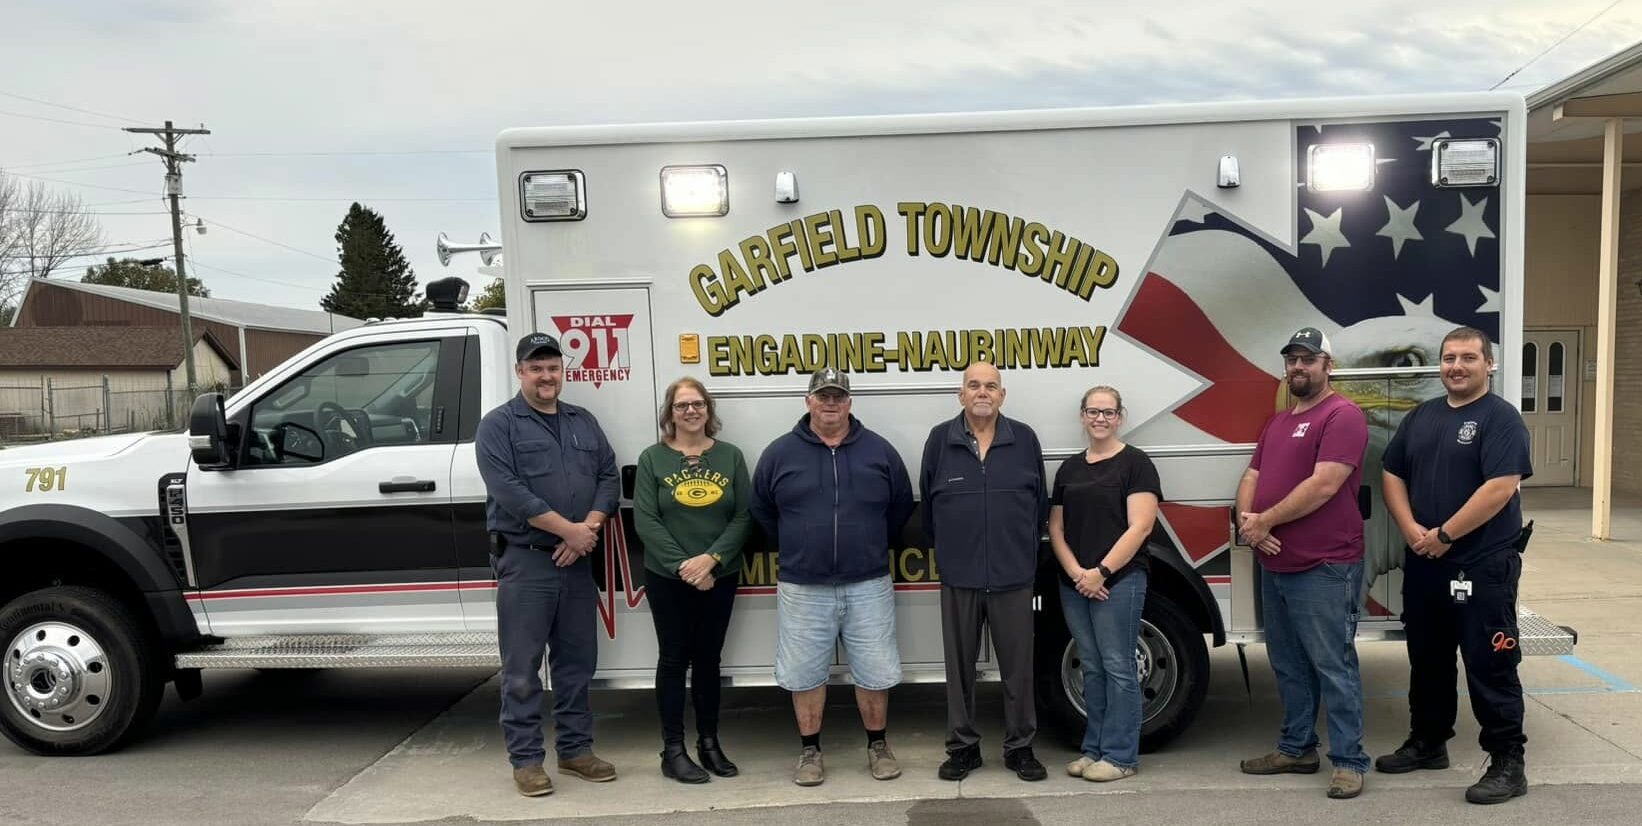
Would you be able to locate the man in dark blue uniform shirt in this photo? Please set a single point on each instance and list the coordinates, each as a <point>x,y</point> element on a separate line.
<point>550,478</point>
<point>1451,479</point>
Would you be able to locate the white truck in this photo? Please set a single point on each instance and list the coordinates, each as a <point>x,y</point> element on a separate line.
<point>331,513</point>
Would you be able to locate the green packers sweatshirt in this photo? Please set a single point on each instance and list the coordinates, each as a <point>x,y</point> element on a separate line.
<point>684,510</point>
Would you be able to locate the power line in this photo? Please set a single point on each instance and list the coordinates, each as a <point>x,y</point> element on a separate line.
<point>76,183</point>
<point>164,242</point>
<point>67,163</point>
<point>1559,42</point>
<point>69,108</point>
<point>73,169</point>
<point>348,153</point>
<point>325,258</point>
<point>59,120</point>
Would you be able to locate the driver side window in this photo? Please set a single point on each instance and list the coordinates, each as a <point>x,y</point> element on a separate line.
<point>373,396</point>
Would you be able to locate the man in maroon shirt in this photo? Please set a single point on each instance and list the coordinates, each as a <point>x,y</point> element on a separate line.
<point>1297,504</point>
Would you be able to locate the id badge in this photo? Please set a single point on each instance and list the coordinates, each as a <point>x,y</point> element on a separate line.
<point>1460,589</point>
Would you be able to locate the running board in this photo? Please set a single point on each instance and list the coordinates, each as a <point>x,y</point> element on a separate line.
<point>464,650</point>
<point>1536,635</point>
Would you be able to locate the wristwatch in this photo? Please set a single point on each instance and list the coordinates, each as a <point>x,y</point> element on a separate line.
<point>1443,537</point>
<point>1105,572</point>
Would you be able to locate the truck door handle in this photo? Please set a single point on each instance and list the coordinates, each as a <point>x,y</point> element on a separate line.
<point>406,486</point>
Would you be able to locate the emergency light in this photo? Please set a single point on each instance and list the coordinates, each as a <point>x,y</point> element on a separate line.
<point>1457,162</point>
<point>1340,167</point>
<point>695,191</point>
<point>556,195</point>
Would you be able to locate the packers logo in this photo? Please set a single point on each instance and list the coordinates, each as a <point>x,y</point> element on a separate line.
<point>697,493</point>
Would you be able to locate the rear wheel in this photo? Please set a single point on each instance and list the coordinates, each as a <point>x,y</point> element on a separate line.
<point>1171,657</point>
<point>80,674</point>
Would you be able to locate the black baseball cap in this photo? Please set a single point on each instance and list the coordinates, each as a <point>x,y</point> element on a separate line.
<point>537,345</point>
<point>828,378</point>
<point>1309,339</point>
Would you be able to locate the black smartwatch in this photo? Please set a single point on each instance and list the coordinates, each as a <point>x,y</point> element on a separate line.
<point>1105,572</point>
<point>1443,537</point>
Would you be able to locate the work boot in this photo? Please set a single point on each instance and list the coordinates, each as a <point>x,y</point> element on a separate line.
<point>1345,784</point>
<point>1280,763</point>
<point>810,771</point>
<point>960,763</point>
<point>881,761</point>
<point>713,759</point>
<point>588,767</point>
<point>532,781</point>
<point>1506,778</point>
<point>1024,764</point>
<point>1413,754</point>
<point>676,764</point>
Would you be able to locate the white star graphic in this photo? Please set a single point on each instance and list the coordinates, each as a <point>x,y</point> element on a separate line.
<point>1471,224</point>
<point>1490,300</point>
<point>1325,233</point>
<point>1425,143</point>
<point>1400,227</point>
<point>1427,308</point>
<point>1194,209</point>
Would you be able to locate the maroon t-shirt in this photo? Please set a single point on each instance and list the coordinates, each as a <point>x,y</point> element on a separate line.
<point>1290,446</point>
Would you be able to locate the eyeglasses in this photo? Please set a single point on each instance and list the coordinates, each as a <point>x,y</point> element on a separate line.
<point>1307,360</point>
<point>681,407</point>
<point>1101,412</point>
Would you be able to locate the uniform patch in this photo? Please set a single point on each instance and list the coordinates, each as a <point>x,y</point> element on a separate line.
<point>1468,433</point>
<point>1300,429</point>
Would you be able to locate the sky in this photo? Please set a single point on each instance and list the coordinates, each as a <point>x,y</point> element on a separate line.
<point>313,105</point>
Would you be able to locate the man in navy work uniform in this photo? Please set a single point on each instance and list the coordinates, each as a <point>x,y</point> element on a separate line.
<point>1451,478</point>
<point>550,477</point>
<point>985,502</point>
<point>834,495</point>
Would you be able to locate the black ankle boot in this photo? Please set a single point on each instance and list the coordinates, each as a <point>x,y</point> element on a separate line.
<point>713,759</point>
<point>676,763</point>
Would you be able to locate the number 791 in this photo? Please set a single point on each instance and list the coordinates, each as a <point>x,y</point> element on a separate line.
<point>45,479</point>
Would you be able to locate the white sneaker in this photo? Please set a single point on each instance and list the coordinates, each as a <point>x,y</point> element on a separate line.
<point>1076,767</point>
<point>1104,772</point>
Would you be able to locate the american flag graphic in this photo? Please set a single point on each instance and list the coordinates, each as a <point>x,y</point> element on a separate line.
<point>1384,273</point>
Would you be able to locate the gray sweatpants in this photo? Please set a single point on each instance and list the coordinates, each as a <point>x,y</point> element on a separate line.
<point>540,606</point>
<point>1009,616</point>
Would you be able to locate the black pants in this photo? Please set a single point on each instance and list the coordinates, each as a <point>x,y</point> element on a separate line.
<point>1009,615</point>
<point>690,627</point>
<point>1484,629</point>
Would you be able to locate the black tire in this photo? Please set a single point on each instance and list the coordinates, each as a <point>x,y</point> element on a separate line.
<point>1174,692</point>
<point>115,677</point>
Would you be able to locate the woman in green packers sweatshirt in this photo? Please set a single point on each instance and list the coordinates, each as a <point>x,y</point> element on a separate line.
<point>691,498</point>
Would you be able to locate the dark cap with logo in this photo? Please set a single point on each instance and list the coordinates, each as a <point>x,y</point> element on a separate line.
<point>827,378</point>
<point>538,345</point>
<point>1309,339</point>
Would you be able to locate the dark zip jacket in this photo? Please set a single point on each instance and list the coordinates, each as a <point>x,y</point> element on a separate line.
<point>985,519</point>
<point>529,471</point>
<point>833,512</point>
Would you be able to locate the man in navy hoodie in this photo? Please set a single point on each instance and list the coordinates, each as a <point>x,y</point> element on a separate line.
<point>985,502</point>
<point>834,496</point>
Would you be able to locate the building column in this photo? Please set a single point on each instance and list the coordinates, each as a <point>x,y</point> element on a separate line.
<point>1613,150</point>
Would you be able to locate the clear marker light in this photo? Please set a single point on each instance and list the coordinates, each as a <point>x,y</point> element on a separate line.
<point>1340,167</point>
<point>694,191</point>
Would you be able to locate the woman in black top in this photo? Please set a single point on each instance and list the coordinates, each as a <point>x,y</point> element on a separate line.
<point>1101,511</point>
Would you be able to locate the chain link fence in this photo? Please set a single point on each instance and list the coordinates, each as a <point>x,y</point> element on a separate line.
<point>58,408</point>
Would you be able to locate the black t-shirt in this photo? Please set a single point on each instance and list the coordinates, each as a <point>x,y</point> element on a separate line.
<point>552,422</point>
<point>1095,498</point>
<point>1444,454</point>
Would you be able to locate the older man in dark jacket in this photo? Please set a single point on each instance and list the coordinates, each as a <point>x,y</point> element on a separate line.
<point>984,507</point>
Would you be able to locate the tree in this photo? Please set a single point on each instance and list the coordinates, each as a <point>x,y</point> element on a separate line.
<point>375,280</point>
<point>41,229</point>
<point>6,312</point>
<point>494,295</point>
<point>141,275</point>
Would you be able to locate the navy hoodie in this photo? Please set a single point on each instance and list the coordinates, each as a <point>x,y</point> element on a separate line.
<point>834,512</point>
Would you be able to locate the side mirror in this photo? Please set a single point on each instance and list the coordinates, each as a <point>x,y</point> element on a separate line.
<point>208,433</point>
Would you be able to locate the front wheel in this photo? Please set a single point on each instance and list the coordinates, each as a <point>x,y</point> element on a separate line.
<point>79,675</point>
<point>1172,659</point>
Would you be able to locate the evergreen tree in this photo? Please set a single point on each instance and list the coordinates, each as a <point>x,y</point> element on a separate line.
<point>375,280</point>
<point>148,274</point>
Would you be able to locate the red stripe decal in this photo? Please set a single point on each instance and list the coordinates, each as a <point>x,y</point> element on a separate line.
<point>1240,396</point>
<point>1203,531</point>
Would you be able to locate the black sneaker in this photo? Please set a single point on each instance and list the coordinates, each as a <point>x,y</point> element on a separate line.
<point>1023,764</point>
<point>1413,754</point>
<point>1506,778</point>
<point>960,763</point>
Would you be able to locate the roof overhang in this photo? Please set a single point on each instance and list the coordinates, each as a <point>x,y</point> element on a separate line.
<point>1565,123</point>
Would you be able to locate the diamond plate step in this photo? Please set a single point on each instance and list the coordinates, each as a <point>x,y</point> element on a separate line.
<point>465,650</point>
<point>1539,636</point>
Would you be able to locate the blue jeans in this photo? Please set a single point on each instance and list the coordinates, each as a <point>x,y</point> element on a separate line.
<point>1106,632</point>
<point>1311,631</point>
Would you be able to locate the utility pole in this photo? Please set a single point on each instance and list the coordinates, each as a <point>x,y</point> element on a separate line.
<point>173,188</point>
